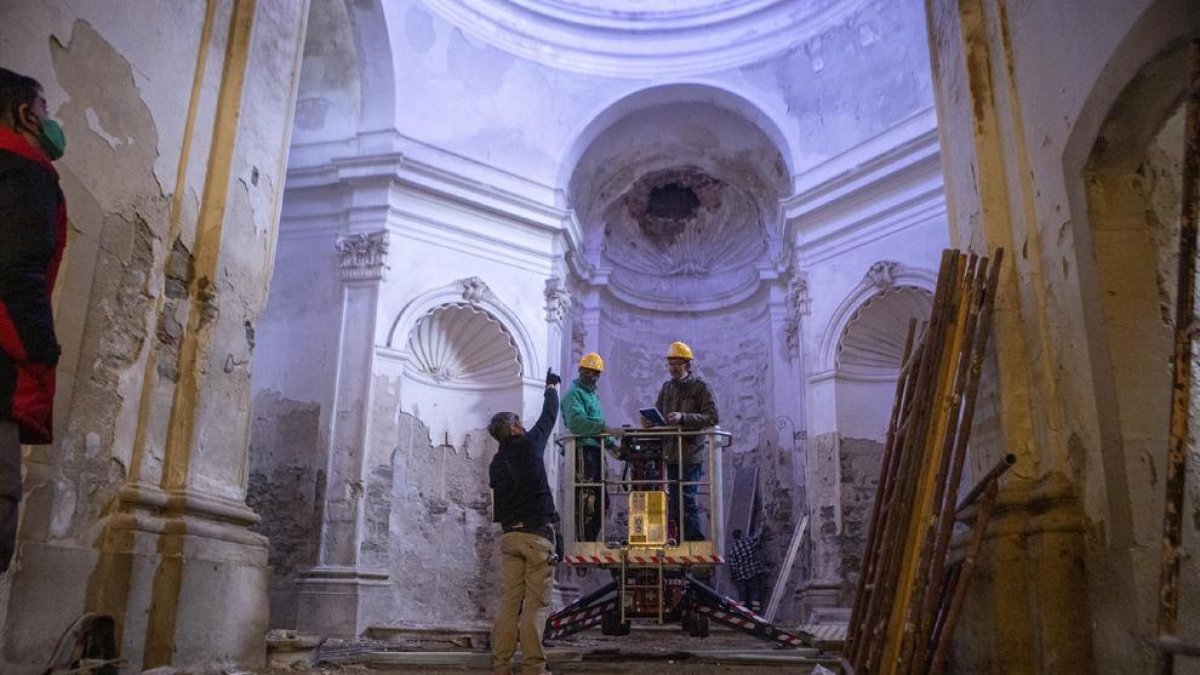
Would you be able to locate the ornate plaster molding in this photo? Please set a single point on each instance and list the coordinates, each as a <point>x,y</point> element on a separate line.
<point>558,300</point>
<point>473,289</point>
<point>897,276</point>
<point>364,255</point>
<point>799,305</point>
<point>883,273</point>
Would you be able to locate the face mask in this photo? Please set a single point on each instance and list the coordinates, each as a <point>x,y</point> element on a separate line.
<point>52,139</point>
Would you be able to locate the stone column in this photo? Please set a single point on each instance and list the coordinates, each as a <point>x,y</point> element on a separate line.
<point>138,511</point>
<point>342,589</point>
<point>1030,612</point>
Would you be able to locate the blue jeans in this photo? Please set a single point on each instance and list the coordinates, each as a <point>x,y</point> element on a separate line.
<point>691,513</point>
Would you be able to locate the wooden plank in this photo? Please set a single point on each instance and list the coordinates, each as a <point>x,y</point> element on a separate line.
<point>785,572</point>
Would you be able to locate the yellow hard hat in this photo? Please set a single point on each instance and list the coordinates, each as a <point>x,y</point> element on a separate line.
<point>679,350</point>
<point>592,361</point>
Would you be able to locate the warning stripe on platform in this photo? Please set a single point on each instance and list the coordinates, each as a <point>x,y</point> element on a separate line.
<point>739,621</point>
<point>636,559</point>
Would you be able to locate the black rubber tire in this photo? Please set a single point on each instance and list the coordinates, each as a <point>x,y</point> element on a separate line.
<point>608,623</point>
<point>700,626</point>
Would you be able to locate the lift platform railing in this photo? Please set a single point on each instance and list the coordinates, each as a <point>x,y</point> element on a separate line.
<point>630,480</point>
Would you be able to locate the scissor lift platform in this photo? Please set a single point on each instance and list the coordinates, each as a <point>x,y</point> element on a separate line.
<point>655,576</point>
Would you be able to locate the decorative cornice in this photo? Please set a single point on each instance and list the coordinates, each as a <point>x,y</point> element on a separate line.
<point>364,255</point>
<point>642,38</point>
<point>425,169</point>
<point>868,192</point>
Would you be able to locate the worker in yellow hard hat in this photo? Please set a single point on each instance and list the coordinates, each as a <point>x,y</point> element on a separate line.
<point>584,417</point>
<point>686,401</point>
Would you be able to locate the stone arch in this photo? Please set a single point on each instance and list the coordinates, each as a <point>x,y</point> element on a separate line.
<point>769,121</point>
<point>882,277</point>
<point>1122,166</point>
<point>373,44</point>
<point>473,293</point>
<point>346,85</point>
<point>872,342</point>
<point>1118,256</point>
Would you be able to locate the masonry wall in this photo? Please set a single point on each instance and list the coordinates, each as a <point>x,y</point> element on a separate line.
<point>173,176</point>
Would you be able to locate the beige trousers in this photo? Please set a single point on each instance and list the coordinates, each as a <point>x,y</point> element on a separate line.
<point>526,579</point>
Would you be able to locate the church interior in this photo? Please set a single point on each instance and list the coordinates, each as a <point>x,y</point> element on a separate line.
<point>316,244</point>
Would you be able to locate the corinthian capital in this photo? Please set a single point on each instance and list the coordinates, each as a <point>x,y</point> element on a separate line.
<point>364,255</point>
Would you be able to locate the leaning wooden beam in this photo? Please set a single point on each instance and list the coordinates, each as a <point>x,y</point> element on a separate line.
<point>910,582</point>
<point>1168,594</point>
<point>938,664</point>
<point>785,573</point>
<point>982,304</point>
<point>958,363</point>
<point>881,608</point>
<point>1173,644</point>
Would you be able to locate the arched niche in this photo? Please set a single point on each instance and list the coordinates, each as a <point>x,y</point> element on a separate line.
<point>883,277</point>
<point>473,292</point>
<point>676,190</point>
<point>768,121</point>
<point>868,355</point>
<point>464,356</point>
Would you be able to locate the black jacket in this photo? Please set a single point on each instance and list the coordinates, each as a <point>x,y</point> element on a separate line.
<point>518,476</point>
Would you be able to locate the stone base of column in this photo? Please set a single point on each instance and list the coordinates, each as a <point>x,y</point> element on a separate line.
<point>342,601</point>
<point>183,577</point>
<point>817,599</point>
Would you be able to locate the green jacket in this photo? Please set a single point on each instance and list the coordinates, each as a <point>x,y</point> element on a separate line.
<point>583,415</point>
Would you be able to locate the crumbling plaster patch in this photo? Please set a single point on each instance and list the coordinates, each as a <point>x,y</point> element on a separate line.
<point>860,462</point>
<point>442,542</point>
<point>110,271</point>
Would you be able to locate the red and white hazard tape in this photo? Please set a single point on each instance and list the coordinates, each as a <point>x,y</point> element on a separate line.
<point>638,559</point>
<point>742,622</point>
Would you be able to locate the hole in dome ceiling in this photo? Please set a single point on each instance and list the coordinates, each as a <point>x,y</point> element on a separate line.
<point>672,202</point>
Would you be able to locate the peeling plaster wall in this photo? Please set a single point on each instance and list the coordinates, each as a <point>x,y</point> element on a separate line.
<point>443,544</point>
<point>488,142</point>
<point>286,487</point>
<point>172,192</point>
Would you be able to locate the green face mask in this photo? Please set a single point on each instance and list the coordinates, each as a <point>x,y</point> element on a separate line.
<point>52,139</point>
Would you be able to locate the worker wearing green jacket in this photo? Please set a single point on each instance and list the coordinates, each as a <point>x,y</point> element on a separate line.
<point>584,417</point>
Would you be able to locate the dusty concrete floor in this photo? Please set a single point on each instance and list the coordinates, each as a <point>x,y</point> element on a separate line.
<point>647,650</point>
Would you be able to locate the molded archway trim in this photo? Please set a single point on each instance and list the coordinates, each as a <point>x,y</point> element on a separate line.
<point>770,122</point>
<point>899,276</point>
<point>453,294</point>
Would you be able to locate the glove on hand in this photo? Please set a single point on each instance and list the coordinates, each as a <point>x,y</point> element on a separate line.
<point>551,378</point>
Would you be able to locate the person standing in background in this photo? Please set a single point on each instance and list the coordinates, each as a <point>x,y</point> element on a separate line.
<point>33,235</point>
